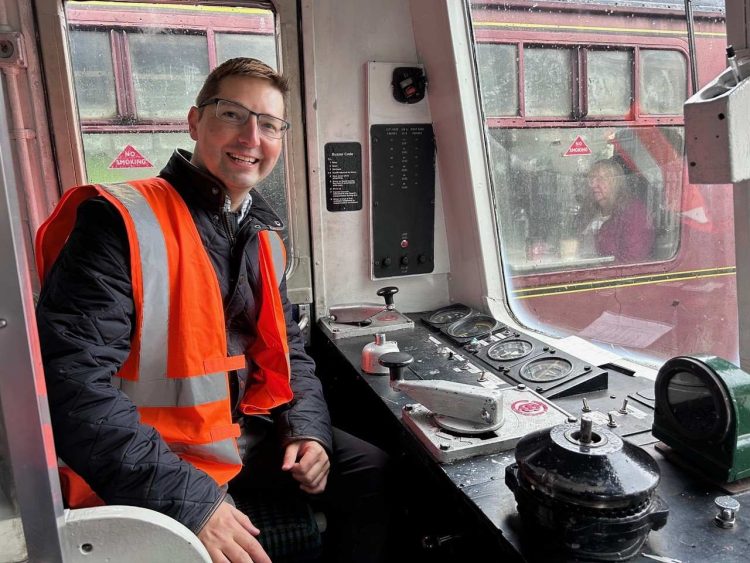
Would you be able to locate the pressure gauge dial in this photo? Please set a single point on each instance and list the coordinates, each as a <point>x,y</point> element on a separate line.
<point>476,326</point>
<point>546,369</point>
<point>448,315</point>
<point>508,350</point>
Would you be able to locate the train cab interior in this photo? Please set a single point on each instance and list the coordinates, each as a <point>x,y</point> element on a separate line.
<point>515,236</point>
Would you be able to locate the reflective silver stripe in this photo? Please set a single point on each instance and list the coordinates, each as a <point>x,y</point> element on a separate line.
<point>278,255</point>
<point>181,392</point>
<point>224,451</point>
<point>155,275</point>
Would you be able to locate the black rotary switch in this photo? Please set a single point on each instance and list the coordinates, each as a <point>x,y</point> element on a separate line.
<point>387,293</point>
<point>396,362</point>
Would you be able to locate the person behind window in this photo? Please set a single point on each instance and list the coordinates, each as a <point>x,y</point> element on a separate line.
<point>175,371</point>
<point>620,226</point>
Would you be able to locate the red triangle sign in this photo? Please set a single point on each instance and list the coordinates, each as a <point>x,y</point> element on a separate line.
<point>130,158</point>
<point>578,148</point>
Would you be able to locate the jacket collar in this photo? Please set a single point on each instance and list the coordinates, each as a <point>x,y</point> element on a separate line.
<point>202,189</point>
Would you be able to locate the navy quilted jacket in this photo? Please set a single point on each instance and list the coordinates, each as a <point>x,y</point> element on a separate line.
<point>85,317</point>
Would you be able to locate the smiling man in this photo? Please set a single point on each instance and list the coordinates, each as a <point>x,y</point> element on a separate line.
<point>176,374</point>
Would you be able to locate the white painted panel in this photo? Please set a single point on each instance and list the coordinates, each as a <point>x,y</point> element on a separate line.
<point>339,39</point>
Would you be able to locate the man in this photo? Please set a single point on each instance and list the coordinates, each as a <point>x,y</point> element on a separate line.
<point>166,289</point>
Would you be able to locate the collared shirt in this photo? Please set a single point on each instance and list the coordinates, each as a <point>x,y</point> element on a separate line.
<point>244,208</point>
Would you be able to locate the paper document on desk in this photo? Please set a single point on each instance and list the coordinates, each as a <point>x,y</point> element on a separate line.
<point>623,330</point>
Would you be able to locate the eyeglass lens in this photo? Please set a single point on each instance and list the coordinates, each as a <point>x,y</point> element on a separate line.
<point>238,115</point>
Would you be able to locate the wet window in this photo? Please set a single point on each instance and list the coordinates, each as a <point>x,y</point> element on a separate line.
<point>663,80</point>
<point>602,234</point>
<point>93,74</point>
<point>609,82</point>
<point>168,69</point>
<point>230,45</point>
<point>137,70</point>
<point>498,74</point>
<point>548,82</point>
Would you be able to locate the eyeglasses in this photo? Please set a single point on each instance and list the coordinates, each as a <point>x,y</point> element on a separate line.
<point>232,112</point>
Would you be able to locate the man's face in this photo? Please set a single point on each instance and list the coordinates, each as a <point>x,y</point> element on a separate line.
<point>238,155</point>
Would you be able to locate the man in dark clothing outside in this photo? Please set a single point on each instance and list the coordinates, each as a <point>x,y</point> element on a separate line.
<point>88,318</point>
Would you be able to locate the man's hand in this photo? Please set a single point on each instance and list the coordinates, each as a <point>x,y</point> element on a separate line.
<point>229,536</point>
<point>309,465</point>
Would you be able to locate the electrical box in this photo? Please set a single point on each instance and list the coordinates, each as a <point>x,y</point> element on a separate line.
<point>716,131</point>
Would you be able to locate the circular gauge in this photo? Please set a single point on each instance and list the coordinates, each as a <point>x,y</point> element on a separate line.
<point>448,315</point>
<point>546,369</point>
<point>475,326</point>
<point>509,350</point>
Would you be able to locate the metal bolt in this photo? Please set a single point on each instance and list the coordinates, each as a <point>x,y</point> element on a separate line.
<point>520,386</point>
<point>586,407</point>
<point>482,376</point>
<point>444,446</point>
<point>624,407</point>
<point>572,419</point>
<point>3,323</point>
<point>612,422</point>
<point>408,408</point>
<point>6,49</point>
<point>728,507</point>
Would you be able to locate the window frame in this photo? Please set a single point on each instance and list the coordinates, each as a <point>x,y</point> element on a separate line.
<point>67,131</point>
<point>634,120</point>
<point>122,22</point>
<point>582,44</point>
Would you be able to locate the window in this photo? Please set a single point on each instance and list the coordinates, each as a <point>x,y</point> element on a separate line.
<point>578,109</point>
<point>137,70</point>
<point>601,233</point>
<point>547,82</point>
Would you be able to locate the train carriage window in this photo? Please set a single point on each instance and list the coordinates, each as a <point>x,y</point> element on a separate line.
<point>601,233</point>
<point>137,69</point>
<point>609,82</point>
<point>499,76</point>
<point>547,82</point>
<point>663,80</point>
<point>167,69</point>
<point>230,45</point>
<point>91,52</point>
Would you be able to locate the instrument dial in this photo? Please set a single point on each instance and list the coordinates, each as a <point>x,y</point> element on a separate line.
<point>448,315</point>
<point>477,326</point>
<point>509,350</point>
<point>546,369</point>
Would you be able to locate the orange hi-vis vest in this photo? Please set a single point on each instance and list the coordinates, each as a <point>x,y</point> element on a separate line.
<point>176,373</point>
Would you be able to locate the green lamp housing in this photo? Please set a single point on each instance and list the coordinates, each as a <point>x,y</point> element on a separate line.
<point>703,414</point>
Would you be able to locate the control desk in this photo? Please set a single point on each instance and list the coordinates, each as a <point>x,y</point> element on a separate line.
<point>608,395</point>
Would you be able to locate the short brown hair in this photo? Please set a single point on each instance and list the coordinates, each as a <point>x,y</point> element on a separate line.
<point>240,66</point>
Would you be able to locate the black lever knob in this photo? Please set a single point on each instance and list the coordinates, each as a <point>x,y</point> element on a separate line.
<point>396,362</point>
<point>387,293</point>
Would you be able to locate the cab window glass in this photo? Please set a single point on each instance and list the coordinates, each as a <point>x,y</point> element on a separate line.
<point>602,234</point>
<point>137,70</point>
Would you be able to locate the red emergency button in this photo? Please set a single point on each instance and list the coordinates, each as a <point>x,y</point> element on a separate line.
<point>404,243</point>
